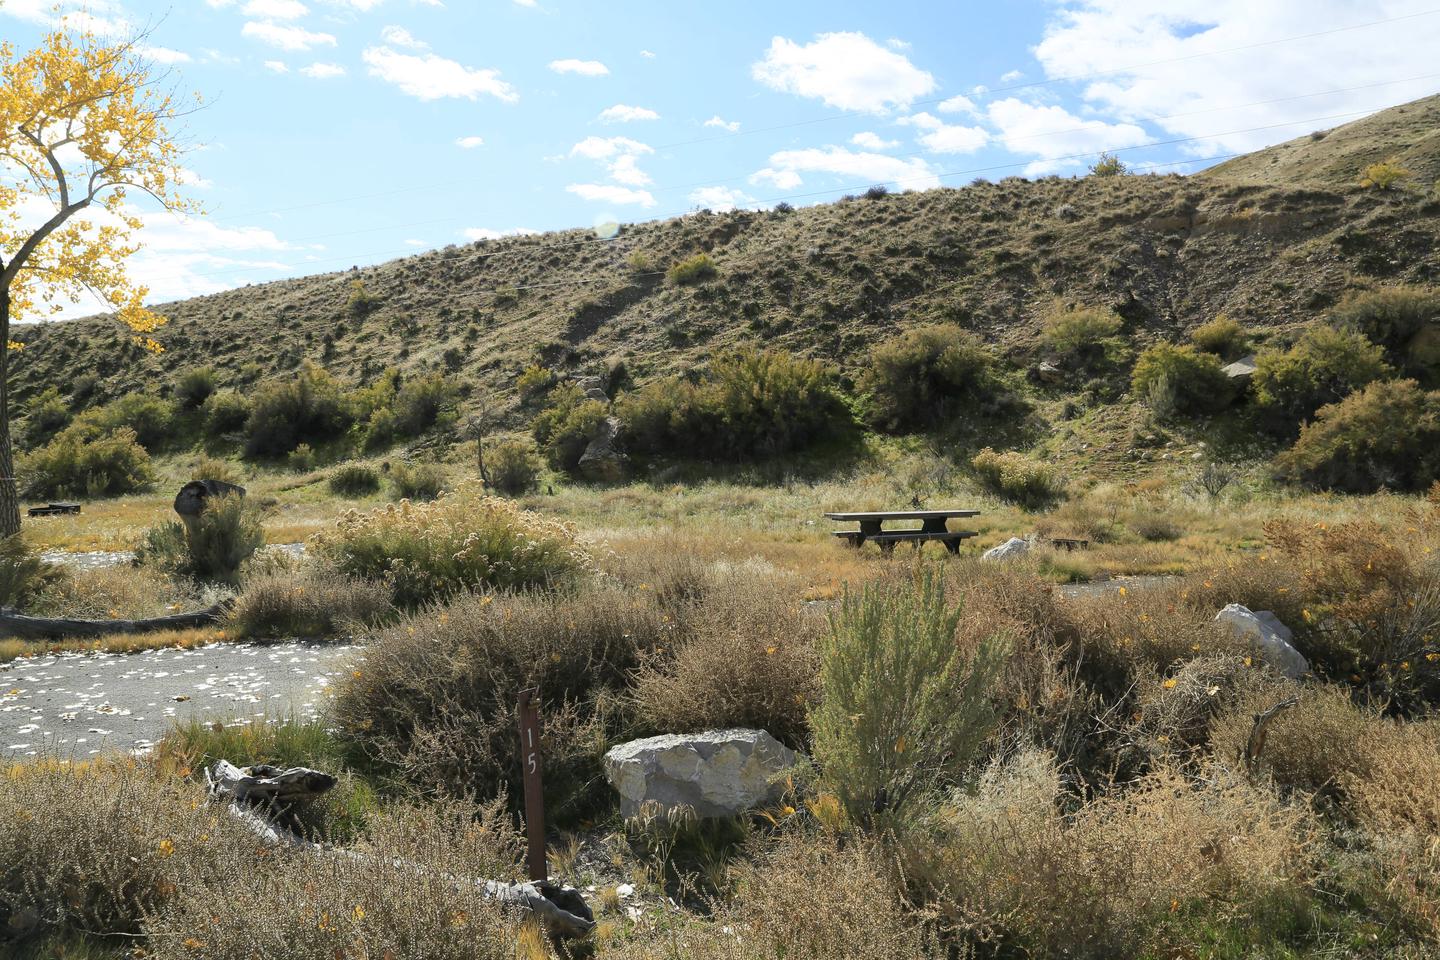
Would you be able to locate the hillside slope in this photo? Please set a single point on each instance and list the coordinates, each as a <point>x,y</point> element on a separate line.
<point>1166,252</point>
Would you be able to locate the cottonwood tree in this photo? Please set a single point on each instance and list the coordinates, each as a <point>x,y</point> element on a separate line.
<point>85,122</point>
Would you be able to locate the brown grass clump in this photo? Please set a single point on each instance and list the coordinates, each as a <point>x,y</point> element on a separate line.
<point>120,592</point>
<point>748,661</point>
<point>307,603</point>
<point>435,698</point>
<point>1009,869</point>
<point>408,889</point>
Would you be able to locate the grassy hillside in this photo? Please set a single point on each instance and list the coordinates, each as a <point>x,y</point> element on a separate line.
<point>1271,240</point>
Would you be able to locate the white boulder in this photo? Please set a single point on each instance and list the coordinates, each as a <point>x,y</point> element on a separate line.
<point>1270,637</point>
<point>718,773</point>
<point>1014,547</point>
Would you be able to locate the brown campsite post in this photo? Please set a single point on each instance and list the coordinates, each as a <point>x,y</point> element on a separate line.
<point>529,712</point>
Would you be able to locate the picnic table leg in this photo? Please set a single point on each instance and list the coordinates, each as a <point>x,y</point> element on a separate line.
<point>868,528</point>
<point>953,546</point>
<point>934,525</point>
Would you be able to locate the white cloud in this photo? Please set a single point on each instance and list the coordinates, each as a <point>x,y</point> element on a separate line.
<point>400,37</point>
<point>1052,131</point>
<point>942,137</point>
<point>360,6</point>
<point>275,9</point>
<point>957,104</point>
<point>103,17</point>
<point>276,66</point>
<point>1010,76</point>
<point>163,55</point>
<point>285,37</point>
<point>604,148</point>
<point>431,77</point>
<point>730,126</point>
<point>1087,37</point>
<point>412,242</point>
<point>585,68</point>
<point>873,141</point>
<point>647,54</point>
<point>895,43</point>
<point>485,233</point>
<point>625,170</point>
<point>469,143</point>
<point>526,3</point>
<point>845,70</point>
<point>786,167</point>
<point>323,71</point>
<point>719,199</point>
<point>608,193</point>
<point>620,113</point>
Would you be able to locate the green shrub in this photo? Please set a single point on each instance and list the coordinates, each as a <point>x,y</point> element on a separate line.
<point>45,416</point>
<point>696,269</point>
<point>22,573</point>
<point>419,404</point>
<point>306,408</point>
<point>903,708</point>
<point>213,546</point>
<point>150,418</point>
<point>1015,477</point>
<point>1324,366</point>
<point>1395,318</point>
<point>212,468</point>
<point>567,425</point>
<point>1086,336</point>
<point>534,381</point>
<point>1189,380</point>
<point>418,481</point>
<point>464,540</point>
<point>1386,435</point>
<point>1108,165</point>
<point>354,480</point>
<point>1222,336</point>
<point>72,465</point>
<point>225,412</point>
<point>1384,175</point>
<point>307,603</point>
<point>746,404</point>
<point>194,386</point>
<point>513,466</point>
<point>360,303</point>
<point>927,375</point>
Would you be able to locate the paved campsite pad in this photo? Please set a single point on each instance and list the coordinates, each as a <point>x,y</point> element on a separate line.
<point>78,705</point>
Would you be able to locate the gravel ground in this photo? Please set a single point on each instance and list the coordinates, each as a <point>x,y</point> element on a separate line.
<point>77,705</point>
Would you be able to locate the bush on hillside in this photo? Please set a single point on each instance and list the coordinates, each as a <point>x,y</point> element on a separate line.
<point>927,375</point>
<point>1384,436</point>
<point>213,468</point>
<point>284,413</point>
<point>419,404</point>
<point>1180,379</point>
<point>22,573</point>
<point>696,269</point>
<point>513,466</point>
<point>72,465</point>
<point>1085,336</point>
<point>150,418</point>
<point>462,541</point>
<point>1324,366</point>
<point>354,480</point>
<point>417,481</point>
<point>45,416</point>
<point>1108,165</point>
<point>213,547</point>
<point>746,404</point>
<point>1384,175</point>
<point>534,381</point>
<point>567,425</point>
<point>1222,336</point>
<point>1015,477</point>
<point>225,412</point>
<point>194,386</point>
<point>903,707</point>
<point>1392,317</point>
<point>308,603</point>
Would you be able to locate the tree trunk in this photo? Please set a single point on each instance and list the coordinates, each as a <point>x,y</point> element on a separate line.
<point>9,491</point>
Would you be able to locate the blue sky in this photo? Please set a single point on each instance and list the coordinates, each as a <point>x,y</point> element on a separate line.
<point>344,132</point>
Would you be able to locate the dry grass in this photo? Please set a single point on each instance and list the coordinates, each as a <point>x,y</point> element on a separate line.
<point>309,603</point>
<point>13,649</point>
<point>122,592</point>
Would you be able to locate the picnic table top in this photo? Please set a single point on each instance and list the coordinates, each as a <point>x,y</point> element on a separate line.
<point>903,514</point>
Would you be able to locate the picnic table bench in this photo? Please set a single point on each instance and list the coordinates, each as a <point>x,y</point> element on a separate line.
<point>934,526</point>
<point>54,509</point>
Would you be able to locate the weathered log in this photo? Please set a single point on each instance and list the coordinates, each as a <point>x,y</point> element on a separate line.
<point>1260,729</point>
<point>261,795</point>
<point>47,628</point>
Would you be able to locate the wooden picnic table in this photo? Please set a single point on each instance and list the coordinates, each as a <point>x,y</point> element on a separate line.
<point>934,525</point>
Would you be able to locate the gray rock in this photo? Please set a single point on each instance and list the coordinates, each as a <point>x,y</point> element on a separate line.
<point>718,773</point>
<point>1270,637</point>
<point>1241,370</point>
<point>1010,549</point>
<point>602,460</point>
<point>1046,372</point>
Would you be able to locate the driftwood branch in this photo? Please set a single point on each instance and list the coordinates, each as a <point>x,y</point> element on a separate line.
<point>263,798</point>
<point>46,628</point>
<point>1255,745</point>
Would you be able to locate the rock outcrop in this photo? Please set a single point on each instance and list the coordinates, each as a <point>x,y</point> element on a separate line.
<point>718,773</point>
